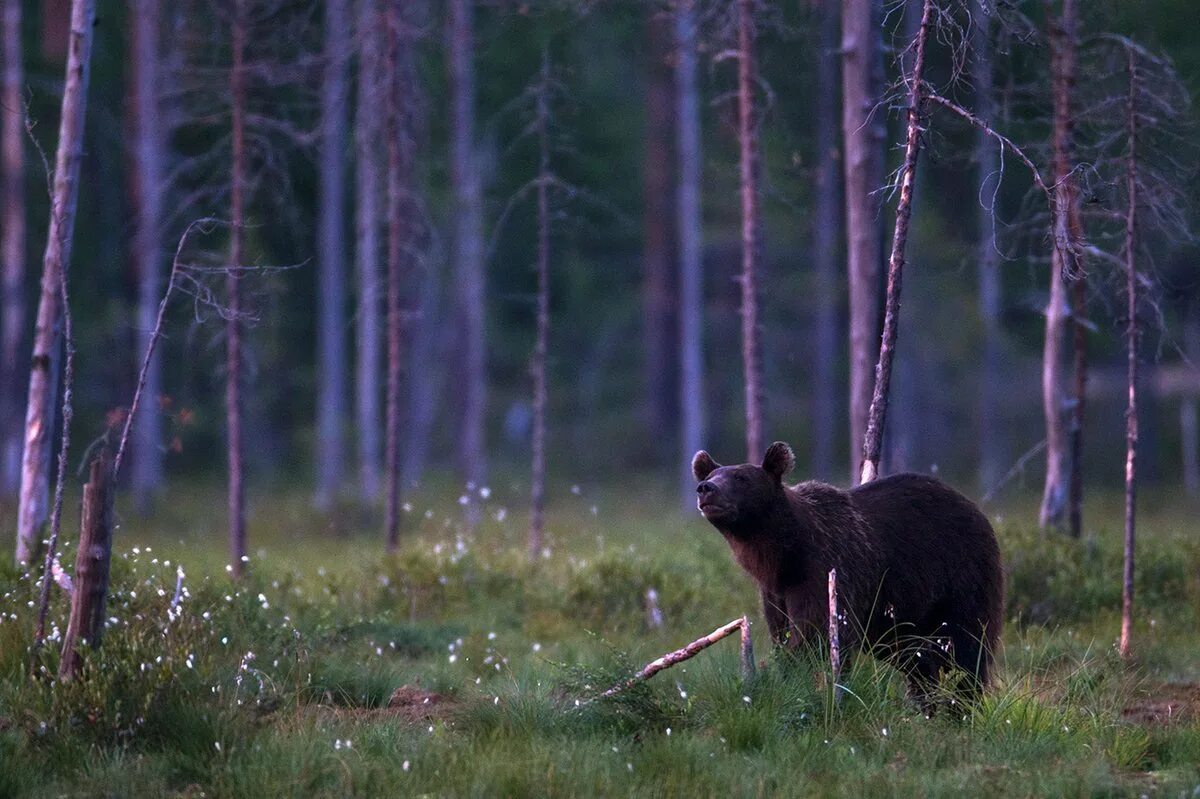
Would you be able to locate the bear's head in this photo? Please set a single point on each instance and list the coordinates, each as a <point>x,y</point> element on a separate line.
<point>736,498</point>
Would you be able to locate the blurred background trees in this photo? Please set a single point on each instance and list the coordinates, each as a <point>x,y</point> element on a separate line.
<point>644,286</point>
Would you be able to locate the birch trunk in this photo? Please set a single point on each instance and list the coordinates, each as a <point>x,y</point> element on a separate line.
<point>873,442</point>
<point>233,300</point>
<point>12,251</point>
<point>827,230</point>
<point>149,181</point>
<point>537,490</point>
<point>691,250</point>
<point>468,251</point>
<point>368,141</point>
<point>862,133</point>
<point>748,169</point>
<point>43,379</point>
<point>331,255</point>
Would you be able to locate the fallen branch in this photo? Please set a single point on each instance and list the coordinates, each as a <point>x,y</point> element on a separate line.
<point>691,650</point>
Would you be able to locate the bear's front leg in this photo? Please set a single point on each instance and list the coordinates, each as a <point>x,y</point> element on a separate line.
<point>809,618</point>
<point>775,612</point>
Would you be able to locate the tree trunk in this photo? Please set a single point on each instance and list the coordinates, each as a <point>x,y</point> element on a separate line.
<point>987,159</point>
<point>691,250</point>
<point>748,169</point>
<point>402,220</point>
<point>331,256</point>
<point>43,378</point>
<point>659,325</point>
<point>149,181</point>
<point>1079,394</point>
<point>1188,424</point>
<point>12,252</point>
<point>369,189</point>
<point>873,442</point>
<point>827,230</point>
<point>863,134</point>
<point>425,391</point>
<point>468,252</point>
<point>1131,341</point>
<point>92,563</point>
<point>1062,69</point>
<point>537,484</point>
<point>233,300</point>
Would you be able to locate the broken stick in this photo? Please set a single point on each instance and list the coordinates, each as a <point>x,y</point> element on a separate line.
<point>691,650</point>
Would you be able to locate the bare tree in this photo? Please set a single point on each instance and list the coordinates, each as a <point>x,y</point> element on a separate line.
<point>331,256</point>
<point>468,251</point>
<point>827,230</point>
<point>537,485</point>
<point>913,81</point>
<point>691,247</point>
<point>987,160</point>
<point>1062,77</point>
<point>1131,344</point>
<point>368,138</point>
<point>862,134</point>
<point>44,374</point>
<point>234,442</point>
<point>149,182</point>
<point>659,324</point>
<point>748,174</point>
<point>12,250</point>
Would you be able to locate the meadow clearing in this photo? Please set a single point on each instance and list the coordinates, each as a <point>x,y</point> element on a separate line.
<point>457,668</point>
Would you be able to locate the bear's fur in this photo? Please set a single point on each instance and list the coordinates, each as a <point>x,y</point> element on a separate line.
<point>918,569</point>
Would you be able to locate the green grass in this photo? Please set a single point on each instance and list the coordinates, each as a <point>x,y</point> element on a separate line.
<point>280,685</point>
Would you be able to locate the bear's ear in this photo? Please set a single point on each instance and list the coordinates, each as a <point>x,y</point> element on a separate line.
<point>703,465</point>
<point>779,460</point>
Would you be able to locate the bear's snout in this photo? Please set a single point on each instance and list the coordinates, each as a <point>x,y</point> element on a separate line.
<point>706,488</point>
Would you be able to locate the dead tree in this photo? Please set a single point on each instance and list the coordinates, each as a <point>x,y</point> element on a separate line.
<point>691,248</point>
<point>862,136</point>
<point>748,173</point>
<point>369,146</point>
<point>92,561</point>
<point>233,295</point>
<point>1062,269</point>
<point>1131,344</point>
<point>44,373</point>
<point>468,252</point>
<point>537,484</point>
<point>873,442</point>
<point>12,250</point>
<point>149,182</point>
<point>826,231</point>
<point>331,255</point>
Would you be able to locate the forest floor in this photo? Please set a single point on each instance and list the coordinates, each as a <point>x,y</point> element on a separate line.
<point>457,668</point>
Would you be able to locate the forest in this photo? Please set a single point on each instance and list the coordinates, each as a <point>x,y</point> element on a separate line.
<point>360,362</point>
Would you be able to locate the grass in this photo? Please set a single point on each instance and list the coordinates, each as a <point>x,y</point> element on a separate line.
<point>280,685</point>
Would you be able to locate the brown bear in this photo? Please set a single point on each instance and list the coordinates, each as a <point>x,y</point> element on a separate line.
<point>918,569</point>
